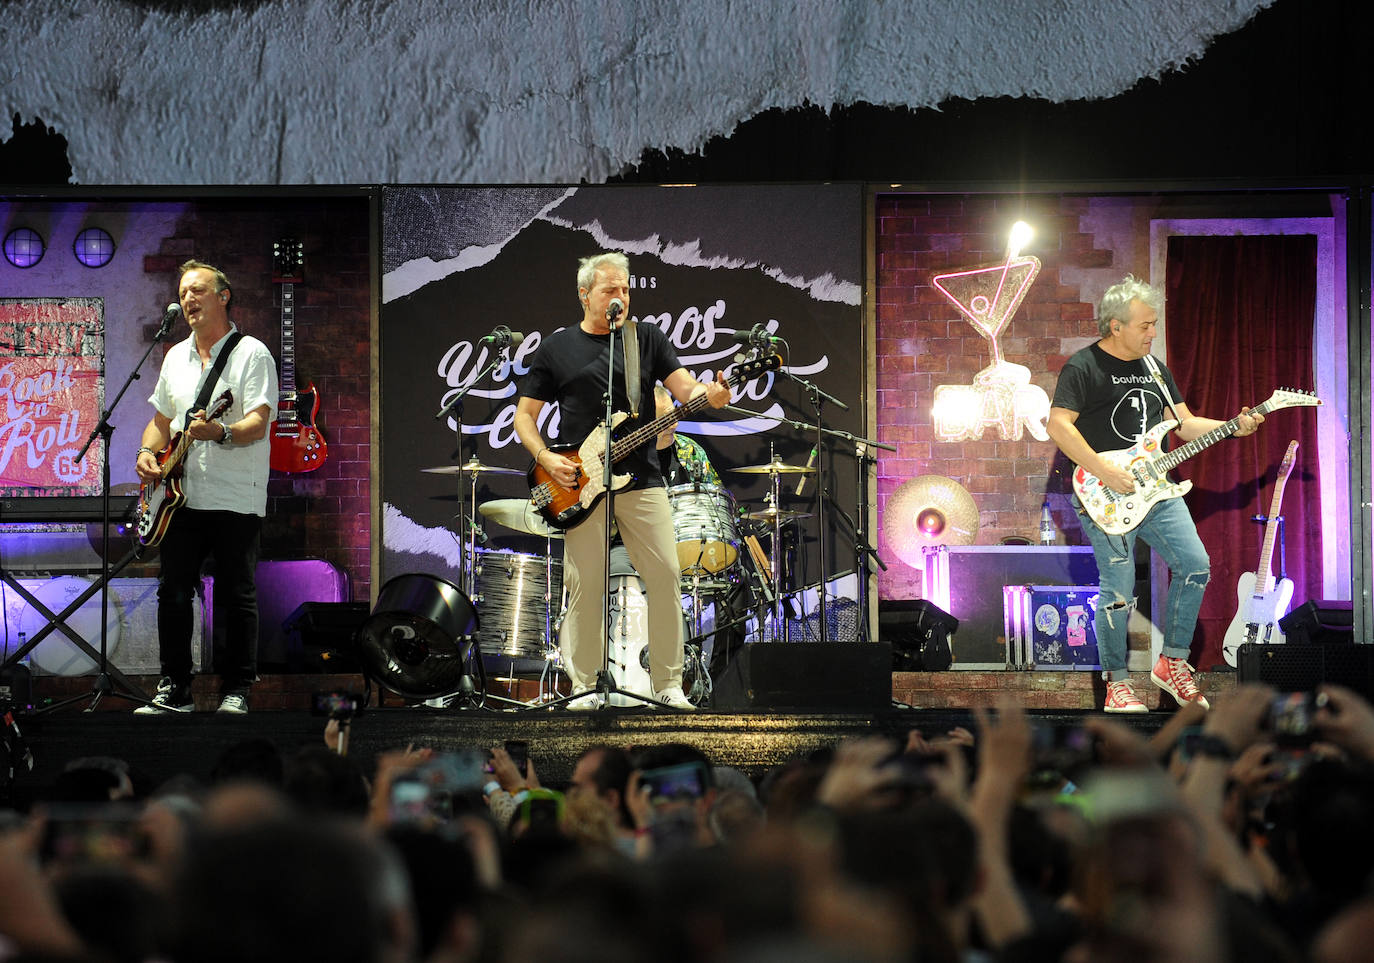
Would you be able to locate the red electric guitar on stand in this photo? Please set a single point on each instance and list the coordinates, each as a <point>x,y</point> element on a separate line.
<point>297,445</point>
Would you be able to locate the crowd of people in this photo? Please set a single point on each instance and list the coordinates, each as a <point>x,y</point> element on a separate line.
<point>1242,833</point>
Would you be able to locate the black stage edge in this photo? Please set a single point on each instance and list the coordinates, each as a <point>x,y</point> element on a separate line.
<point>159,747</point>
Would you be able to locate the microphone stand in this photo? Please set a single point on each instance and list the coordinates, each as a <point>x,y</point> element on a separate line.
<point>103,684</point>
<point>471,695</point>
<point>818,398</point>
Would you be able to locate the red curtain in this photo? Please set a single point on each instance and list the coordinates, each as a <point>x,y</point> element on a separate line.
<point>1240,323</point>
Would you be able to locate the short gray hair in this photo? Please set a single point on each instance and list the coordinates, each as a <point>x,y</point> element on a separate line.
<point>1116,302</point>
<point>587,267</point>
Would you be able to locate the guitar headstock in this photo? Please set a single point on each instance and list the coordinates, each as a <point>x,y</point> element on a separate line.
<point>288,261</point>
<point>1289,457</point>
<point>744,370</point>
<point>222,403</point>
<point>1292,398</point>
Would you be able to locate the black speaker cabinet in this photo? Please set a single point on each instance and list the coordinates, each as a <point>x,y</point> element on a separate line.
<point>1300,668</point>
<point>813,676</point>
<point>1319,621</point>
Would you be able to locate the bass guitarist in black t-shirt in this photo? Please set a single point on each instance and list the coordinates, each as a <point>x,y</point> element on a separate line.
<point>1109,395</point>
<point>569,368</point>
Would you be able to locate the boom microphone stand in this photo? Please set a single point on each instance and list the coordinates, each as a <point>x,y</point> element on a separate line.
<point>472,694</point>
<point>103,684</point>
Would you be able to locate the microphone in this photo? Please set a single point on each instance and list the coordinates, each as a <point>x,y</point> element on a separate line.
<point>614,310</point>
<point>503,337</point>
<point>757,336</point>
<point>810,461</point>
<point>169,318</point>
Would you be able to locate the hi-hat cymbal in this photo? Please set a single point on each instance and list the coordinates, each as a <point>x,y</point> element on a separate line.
<point>775,467</point>
<point>474,466</point>
<point>519,514</point>
<point>768,514</point>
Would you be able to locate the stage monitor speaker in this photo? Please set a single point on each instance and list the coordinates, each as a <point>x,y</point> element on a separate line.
<point>815,676</point>
<point>325,633</point>
<point>912,626</point>
<point>1319,622</point>
<point>1302,668</point>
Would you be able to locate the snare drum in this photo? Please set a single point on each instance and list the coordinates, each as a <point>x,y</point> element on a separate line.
<point>516,594</point>
<point>704,527</point>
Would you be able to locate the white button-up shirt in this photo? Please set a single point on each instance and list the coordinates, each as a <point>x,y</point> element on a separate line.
<point>219,477</point>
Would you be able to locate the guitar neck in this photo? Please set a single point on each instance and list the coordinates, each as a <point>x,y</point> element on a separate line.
<point>1264,576</point>
<point>1204,441</point>
<point>643,434</point>
<point>288,339</point>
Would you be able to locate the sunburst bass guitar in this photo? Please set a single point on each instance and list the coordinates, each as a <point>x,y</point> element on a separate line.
<point>1117,513</point>
<point>564,508</point>
<point>159,500</point>
<point>1260,599</point>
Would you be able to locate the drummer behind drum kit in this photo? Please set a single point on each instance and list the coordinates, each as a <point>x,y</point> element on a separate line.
<point>419,637</point>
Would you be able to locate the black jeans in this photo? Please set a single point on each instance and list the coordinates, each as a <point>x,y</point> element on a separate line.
<point>231,539</point>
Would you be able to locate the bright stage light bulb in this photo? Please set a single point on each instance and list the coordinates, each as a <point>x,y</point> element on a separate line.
<point>1021,234</point>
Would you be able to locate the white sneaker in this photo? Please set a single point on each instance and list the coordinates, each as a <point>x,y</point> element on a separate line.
<point>234,703</point>
<point>674,698</point>
<point>587,700</point>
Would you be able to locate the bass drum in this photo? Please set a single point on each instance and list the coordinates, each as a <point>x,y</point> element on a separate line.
<point>416,640</point>
<point>629,661</point>
<point>56,654</point>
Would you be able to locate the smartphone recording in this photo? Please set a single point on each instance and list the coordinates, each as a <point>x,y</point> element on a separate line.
<point>685,781</point>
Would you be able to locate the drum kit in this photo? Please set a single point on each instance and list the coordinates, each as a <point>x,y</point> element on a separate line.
<point>518,598</point>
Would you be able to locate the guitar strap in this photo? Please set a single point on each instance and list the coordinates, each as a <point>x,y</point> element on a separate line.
<point>1153,367</point>
<point>629,332</point>
<point>212,378</point>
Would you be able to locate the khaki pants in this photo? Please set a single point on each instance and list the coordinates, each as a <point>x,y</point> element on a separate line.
<point>645,522</point>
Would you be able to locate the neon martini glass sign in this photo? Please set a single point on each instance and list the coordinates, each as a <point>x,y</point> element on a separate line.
<point>1001,395</point>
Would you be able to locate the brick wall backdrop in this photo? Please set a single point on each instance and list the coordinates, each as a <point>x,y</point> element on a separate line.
<point>325,513</point>
<point>922,341</point>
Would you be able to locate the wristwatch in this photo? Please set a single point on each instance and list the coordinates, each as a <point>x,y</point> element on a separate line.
<point>228,437</point>
<point>1212,746</point>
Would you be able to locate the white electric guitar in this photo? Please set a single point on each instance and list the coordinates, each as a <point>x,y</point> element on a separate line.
<point>1117,513</point>
<point>1260,600</point>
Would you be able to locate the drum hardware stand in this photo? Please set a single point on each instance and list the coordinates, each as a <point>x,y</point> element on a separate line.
<point>605,683</point>
<point>103,684</point>
<point>470,694</point>
<point>863,551</point>
<point>861,544</point>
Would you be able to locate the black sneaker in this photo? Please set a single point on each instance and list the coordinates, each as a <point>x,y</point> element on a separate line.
<point>171,697</point>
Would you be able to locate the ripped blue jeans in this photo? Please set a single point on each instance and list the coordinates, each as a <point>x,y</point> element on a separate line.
<point>1169,529</point>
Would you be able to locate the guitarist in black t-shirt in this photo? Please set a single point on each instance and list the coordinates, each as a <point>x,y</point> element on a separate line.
<point>1107,397</point>
<point>569,369</point>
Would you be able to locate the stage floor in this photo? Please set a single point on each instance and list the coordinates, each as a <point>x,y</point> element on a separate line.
<point>159,747</point>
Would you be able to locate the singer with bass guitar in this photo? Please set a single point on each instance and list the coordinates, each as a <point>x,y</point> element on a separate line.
<point>569,368</point>
<point>1109,397</point>
<point>220,498</point>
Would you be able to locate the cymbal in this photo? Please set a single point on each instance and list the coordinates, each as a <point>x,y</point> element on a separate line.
<point>768,514</point>
<point>519,514</point>
<point>928,510</point>
<point>775,467</point>
<point>474,466</point>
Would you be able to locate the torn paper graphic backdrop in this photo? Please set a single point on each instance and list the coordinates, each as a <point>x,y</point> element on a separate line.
<point>545,91</point>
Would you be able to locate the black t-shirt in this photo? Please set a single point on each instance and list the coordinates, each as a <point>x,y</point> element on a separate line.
<point>1117,401</point>
<point>570,369</point>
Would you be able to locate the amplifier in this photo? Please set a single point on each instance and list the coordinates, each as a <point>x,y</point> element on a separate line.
<point>816,676</point>
<point>1301,668</point>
